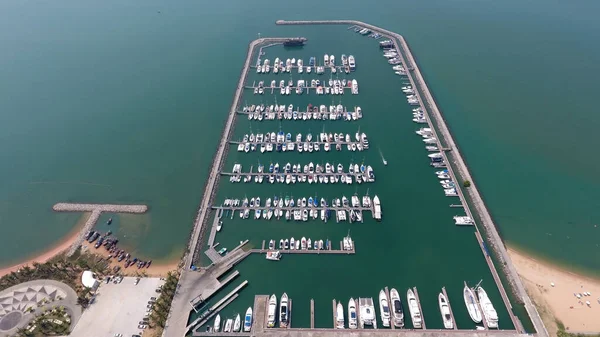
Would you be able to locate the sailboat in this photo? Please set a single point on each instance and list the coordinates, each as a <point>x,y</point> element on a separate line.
<point>283,311</point>
<point>413,307</point>
<point>471,304</point>
<point>384,309</point>
<point>237,323</point>
<point>397,311</point>
<point>352,321</point>
<point>445,311</point>
<point>339,316</point>
<point>248,320</point>
<point>271,312</point>
<point>228,325</point>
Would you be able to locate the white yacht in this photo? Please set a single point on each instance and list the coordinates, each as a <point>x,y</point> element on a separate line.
<point>445,311</point>
<point>332,60</point>
<point>489,313</point>
<point>367,312</point>
<point>354,87</point>
<point>397,311</point>
<point>248,320</point>
<point>413,307</point>
<point>283,307</point>
<point>351,62</point>
<point>471,304</point>
<point>352,322</point>
<point>272,311</point>
<point>217,325</point>
<point>326,60</point>
<point>384,309</point>
<point>376,208</point>
<point>339,316</point>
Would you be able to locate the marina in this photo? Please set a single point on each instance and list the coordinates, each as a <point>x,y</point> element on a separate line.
<point>302,210</point>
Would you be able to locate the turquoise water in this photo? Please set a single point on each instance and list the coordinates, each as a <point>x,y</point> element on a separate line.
<point>124,103</point>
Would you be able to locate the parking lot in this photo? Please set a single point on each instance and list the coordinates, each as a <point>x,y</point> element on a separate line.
<point>118,308</point>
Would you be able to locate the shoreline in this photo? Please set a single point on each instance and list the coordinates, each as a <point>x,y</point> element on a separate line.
<point>553,288</point>
<point>63,245</point>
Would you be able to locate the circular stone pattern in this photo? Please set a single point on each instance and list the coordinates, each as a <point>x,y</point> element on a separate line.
<point>10,320</point>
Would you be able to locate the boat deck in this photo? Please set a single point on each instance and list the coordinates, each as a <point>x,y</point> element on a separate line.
<point>450,308</point>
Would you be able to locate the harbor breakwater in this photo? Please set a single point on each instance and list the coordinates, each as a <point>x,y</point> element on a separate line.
<point>96,210</point>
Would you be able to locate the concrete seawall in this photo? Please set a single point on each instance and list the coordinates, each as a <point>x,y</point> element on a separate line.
<point>474,196</point>
<point>96,210</point>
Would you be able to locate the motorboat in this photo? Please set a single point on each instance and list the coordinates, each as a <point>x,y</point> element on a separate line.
<point>271,311</point>
<point>445,311</point>
<point>283,309</point>
<point>489,313</point>
<point>471,304</point>
<point>384,309</point>
<point>217,324</point>
<point>303,243</point>
<point>339,316</point>
<point>248,320</point>
<point>397,311</point>
<point>351,62</point>
<point>292,243</point>
<point>273,255</point>
<point>413,307</point>
<point>237,324</point>
<point>367,312</point>
<point>352,321</point>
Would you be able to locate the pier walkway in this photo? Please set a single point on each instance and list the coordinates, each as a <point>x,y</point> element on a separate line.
<point>430,109</point>
<point>96,210</point>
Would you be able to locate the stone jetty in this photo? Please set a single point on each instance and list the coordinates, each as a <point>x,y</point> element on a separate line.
<point>96,210</point>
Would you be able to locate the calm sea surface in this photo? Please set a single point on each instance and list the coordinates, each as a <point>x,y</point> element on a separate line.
<point>124,103</point>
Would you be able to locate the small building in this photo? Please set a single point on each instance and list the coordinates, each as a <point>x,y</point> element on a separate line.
<point>89,280</point>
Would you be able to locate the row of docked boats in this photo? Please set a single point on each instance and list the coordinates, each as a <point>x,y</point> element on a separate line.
<point>308,244</point>
<point>278,314</point>
<point>279,66</point>
<point>304,209</point>
<point>232,325</point>
<point>279,112</point>
<point>281,142</point>
<point>335,87</point>
<point>437,160</point>
<point>291,174</point>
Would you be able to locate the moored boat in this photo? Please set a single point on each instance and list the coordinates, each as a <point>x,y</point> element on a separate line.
<point>489,313</point>
<point>413,308</point>
<point>271,311</point>
<point>248,320</point>
<point>384,309</point>
<point>217,324</point>
<point>397,311</point>
<point>283,311</point>
<point>445,311</point>
<point>352,321</point>
<point>237,323</point>
<point>228,325</point>
<point>339,316</point>
<point>471,304</point>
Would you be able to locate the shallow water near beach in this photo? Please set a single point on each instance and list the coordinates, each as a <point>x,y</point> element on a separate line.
<point>124,103</point>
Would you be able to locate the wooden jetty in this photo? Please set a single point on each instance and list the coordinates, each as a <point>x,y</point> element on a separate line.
<point>312,313</point>
<point>289,326</point>
<point>433,114</point>
<point>450,308</point>
<point>420,309</point>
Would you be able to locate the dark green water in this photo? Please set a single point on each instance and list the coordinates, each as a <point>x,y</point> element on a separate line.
<point>116,102</point>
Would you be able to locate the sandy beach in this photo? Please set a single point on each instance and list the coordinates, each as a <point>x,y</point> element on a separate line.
<point>55,250</point>
<point>555,293</point>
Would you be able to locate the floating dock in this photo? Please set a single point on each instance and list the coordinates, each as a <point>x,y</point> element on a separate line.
<point>420,309</point>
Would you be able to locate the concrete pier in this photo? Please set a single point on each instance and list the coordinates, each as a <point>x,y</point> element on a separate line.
<point>96,210</point>
<point>389,300</point>
<point>312,313</point>
<point>433,115</point>
<point>334,313</point>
